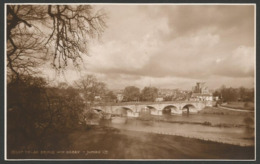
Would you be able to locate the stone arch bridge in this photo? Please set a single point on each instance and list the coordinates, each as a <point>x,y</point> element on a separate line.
<point>154,108</point>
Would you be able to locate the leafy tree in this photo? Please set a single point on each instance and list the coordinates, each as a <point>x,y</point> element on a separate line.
<point>68,106</point>
<point>36,111</point>
<point>246,94</point>
<point>242,92</point>
<point>110,96</point>
<point>131,93</point>
<point>249,95</point>
<point>235,94</point>
<point>149,94</point>
<point>217,93</point>
<point>60,33</point>
<point>229,94</point>
<point>27,113</point>
<point>168,98</point>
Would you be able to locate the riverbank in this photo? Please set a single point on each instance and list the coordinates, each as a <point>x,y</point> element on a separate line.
<point>225,111</point>
<point>228,135</point>
<point>112,143</point>
<point>236,109</point>
<point>247,106</point>
<point>210,124</point>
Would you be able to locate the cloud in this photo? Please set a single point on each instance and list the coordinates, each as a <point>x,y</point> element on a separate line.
<point>240,63</point>
<point>183,57</point>
<point>175,45</point>
<point>220,19</point>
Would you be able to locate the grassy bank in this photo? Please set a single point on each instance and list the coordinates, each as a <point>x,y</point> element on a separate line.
<point>239,105</point>
<point>219,111</point>
<point>205,123</point>
<point>110,143</point>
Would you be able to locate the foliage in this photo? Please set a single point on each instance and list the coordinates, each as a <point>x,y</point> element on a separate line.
<point>131,93</point>
<point>36,111</point>
<point>91,87</point>
<point>229,94</point>
<point>149,94</point>
<point>27,115</point>
<point>235,94</point>
<point>110,97</point>
<point>168,98</point>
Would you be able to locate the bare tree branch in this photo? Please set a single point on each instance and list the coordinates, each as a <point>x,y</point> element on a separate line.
<point>60,32</point>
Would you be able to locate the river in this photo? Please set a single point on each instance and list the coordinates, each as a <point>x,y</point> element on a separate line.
<point>192,127</point>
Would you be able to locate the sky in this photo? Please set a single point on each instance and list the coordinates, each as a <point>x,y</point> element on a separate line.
<point>173,46</point>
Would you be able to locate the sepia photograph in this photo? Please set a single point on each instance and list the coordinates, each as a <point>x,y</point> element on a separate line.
<point>96,81</point>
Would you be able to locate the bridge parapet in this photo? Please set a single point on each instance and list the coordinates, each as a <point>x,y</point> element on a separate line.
<point>155,107</point>
<point>144,103</point>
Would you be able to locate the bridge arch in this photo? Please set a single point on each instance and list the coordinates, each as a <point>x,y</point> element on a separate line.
<point>97,110</point>
<point>171,109</point>
<point>123,111</point>
<point>148,110</point>
<point>152,110</point>
<point>189,108</point>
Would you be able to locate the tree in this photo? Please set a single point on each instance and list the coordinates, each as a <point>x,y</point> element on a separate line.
<point>235,94</point>
<point>242,92</point>
<point>229,94</point>
<point>110,96</point>
<point>149,94</point>
<point>28,114</point>
<point>62,85</point>
<point>217,93</point>
<point>131,93</point>
<point>91,87</point>
<point>60,33</point>
<point>168,98</point>
<point>246,94</point>
<point>36,111</point>
<point>250,95</point>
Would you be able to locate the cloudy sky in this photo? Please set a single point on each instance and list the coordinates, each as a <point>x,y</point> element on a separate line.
<point>174,46</point>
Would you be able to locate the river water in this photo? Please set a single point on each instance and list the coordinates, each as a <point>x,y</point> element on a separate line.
<point>212,118</point>
<point>191,126</point>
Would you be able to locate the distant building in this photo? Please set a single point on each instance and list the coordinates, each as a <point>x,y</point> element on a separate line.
<point>200,92</point>
<point>159,99</point>
<point>119,97</point>
<point>202,97</point>
<point>200,88</point>
<point>166,92</point>
<point>173,94</point>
